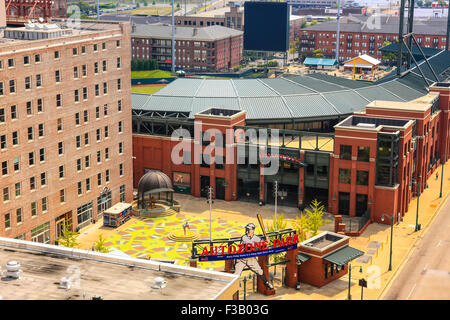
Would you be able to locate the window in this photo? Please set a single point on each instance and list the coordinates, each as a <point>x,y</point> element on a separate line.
<point>41,130</point>
<point>118,63</point>
<point>85,93</point>
<point>29,105</point>
<point>10,63</point>
<point>118,43</point>
<point>119,84</point>
<point>78,141</point>
<point>12,86</point>
<point>2,89</point>
<point>107,175</point>
<point>99,179</point>
<point>7,220</point>
<point>6,194</point>
<point>15,138</point>
<point>121,169</point>
<point>43,179</point>
<point>95,67</point>
<point>363,154</point>
<point>85,116</point>
<point>97,112</point>
<point>83,49</point>
<point>362,178</point>
<point>98,134</point>
<point>95,47</point>
<point>88,184</point>
<point>120,147</point>
<point>40,105</point>
<point>33,209</point>
<point>79,166</point>
<point>104,46</point>
<point>97,90</point>
<point>80,188</point>
<point>106,131</point>
<point>3,143</point>
<point>120,127</point>
<point>14,112</point>
<point>44,204</point>
<point>58,100</point>
<point>37,58</point>
<point>57,76</point>
<point>38,80</point>
<point>119,105</point>
<point>345,176</point>
<point>61,172</point>
<point>56,54</point>
<point>62,196</point>
<point>84,215</point>
<point>104,64</point>
<point>99,156</point>
<point>77,118</point>
<point>32,183</point>
<point>60,147</point>
<point>345,152</point>
<point>19,215</point>
<point>76,95</point>
<point>87,161</point>
<point>105,110</point>
<point>105,88</point>
<point>75,72</point>
<point>18,188</point>
<point>16,164</point>
<point>2,115</point>
<point>59,124</point>
<point>42,154</point>
<point>27,83</point>
<point>122,193</point>
<point>86,138</point>
<point>41,233</point>
<point>75,51</point>
<point>4,168</point>
<point>84,70</point>
<point>106,153</point>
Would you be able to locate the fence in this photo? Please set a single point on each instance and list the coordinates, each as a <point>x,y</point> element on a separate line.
<point>355,224</point>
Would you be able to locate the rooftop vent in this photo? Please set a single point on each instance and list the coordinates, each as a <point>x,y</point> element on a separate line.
<point>12,270</point>
<point>159,283</point>
<point>366,125</point>
<point>65,283</point>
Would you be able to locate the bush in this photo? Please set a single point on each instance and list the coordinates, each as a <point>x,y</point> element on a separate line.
<point>144,64</point>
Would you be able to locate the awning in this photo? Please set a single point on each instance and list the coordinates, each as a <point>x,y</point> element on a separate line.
<point>302,257</point>
<point>343,255</point>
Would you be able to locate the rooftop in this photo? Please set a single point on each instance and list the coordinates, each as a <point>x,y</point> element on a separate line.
<point>164,31</point>
<point>106,275</point>
<point>324,241</point>
<point>373,123</point>
<point>420,104</point>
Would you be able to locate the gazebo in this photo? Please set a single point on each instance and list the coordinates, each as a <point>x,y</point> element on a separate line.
<point>155,185</point>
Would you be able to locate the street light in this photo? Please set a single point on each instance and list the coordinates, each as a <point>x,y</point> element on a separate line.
<point>392,229</point>
<point>417,228</point>
<point>442,164</point>
<point>350,278</point>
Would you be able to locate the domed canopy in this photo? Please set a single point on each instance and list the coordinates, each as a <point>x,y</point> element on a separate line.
<point>154,181</point>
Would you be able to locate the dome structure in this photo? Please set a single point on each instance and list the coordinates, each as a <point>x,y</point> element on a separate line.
<point>156,181</point>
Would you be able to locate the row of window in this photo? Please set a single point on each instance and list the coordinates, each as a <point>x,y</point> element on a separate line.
<point>346,153</point>
<point>43,204</point>
<point>56,55</point>
<point>362,177</point>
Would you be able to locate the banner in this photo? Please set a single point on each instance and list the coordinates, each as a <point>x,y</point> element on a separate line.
<point>247,254</point>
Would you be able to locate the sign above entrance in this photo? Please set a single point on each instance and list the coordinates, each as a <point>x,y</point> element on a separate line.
<point>283,158</point>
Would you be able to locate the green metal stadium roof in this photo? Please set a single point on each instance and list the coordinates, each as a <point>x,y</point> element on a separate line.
<point>300,98</point>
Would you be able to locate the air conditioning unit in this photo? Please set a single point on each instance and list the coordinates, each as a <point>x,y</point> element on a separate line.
<point>65,283</point>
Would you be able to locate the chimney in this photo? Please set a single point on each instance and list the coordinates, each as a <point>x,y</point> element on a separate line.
<point>194,31</point>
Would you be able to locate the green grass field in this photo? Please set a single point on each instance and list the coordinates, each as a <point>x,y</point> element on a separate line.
<point>146,90</point>
<point>150,74</point>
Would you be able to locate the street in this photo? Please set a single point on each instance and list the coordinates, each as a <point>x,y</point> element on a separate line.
<point>426,275</point>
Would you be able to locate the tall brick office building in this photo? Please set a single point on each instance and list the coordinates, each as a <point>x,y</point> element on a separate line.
<point>197,49</point>
<point>65,126</point>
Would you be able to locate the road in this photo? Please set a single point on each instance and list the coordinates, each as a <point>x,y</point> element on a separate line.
<point>426,275</point>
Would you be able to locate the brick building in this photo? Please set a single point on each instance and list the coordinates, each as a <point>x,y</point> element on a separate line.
<point>364,161</point>
<point>362,34</point>
<point>65,126</point>
<point>196,49</point>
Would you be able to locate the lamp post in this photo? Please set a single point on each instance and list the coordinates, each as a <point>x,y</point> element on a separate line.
<point>418,197</point>
<point>392,231</point>
<point>350,279</point>
<point>210,197</point>
<point>276,200</point>
<point>442,164</point>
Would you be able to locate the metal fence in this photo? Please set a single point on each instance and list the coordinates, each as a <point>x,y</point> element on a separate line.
<point>355,224</point>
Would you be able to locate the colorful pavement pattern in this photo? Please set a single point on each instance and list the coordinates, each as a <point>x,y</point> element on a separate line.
<point>149,237</point>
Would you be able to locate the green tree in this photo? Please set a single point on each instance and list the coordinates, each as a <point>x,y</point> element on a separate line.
<point>313,22</point>
<point>318,53</point>
<point>300,224</point>
<point>420,3</point>
<point>442,2</point>
<point>153,3</point>
<point>68,237</point>
<point>100,245</point>
<point>304,24</point>
<point>178,5</point>
<point>428,3</point>
<point>315,217</point>
<point>281,224</point>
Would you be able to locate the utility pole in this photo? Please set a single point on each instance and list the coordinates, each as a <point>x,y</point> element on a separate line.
<point>276,200</point>
<point>338,18</point>
<point>173,36</point>
<point>417,210</point>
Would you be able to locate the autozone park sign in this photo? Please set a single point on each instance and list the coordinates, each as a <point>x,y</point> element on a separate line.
<point>243,251</point>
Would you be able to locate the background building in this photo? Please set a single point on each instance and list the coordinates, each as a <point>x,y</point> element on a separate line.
<point>65,126</point>
<point>197,49</point>
<point>359,35</point>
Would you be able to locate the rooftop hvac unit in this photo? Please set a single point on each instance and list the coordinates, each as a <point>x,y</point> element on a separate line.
<point>159,283</point>
<point>65,283</point>
<point>12,270</point>
<point>366,125</point>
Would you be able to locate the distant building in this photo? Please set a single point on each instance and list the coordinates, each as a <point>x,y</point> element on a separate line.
<point>359,35</point>
<point>65,126</point>
<point>197,49</point>
<point>362,64</point>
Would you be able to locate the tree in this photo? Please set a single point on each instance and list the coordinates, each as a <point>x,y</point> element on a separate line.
<point>281,224</point>
<point>315,217</point>
<point>68,237</point>
<point>304,24</point>
<point>153,3</point>
<point>178,5</point>
<point>442,3</point>
<point>100,245</point>
<point>420,3</point>
<point>318,53</point>
<point>300,224</point>
<point>428,3</point>
<point>313,22</point>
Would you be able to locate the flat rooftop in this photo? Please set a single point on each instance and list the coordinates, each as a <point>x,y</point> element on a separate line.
<point>324,241</point>
<point>372,123</point>
<point>419,104</point>
<point>108,276</point>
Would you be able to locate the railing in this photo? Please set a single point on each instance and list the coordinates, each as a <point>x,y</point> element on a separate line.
<point>355,224</point>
